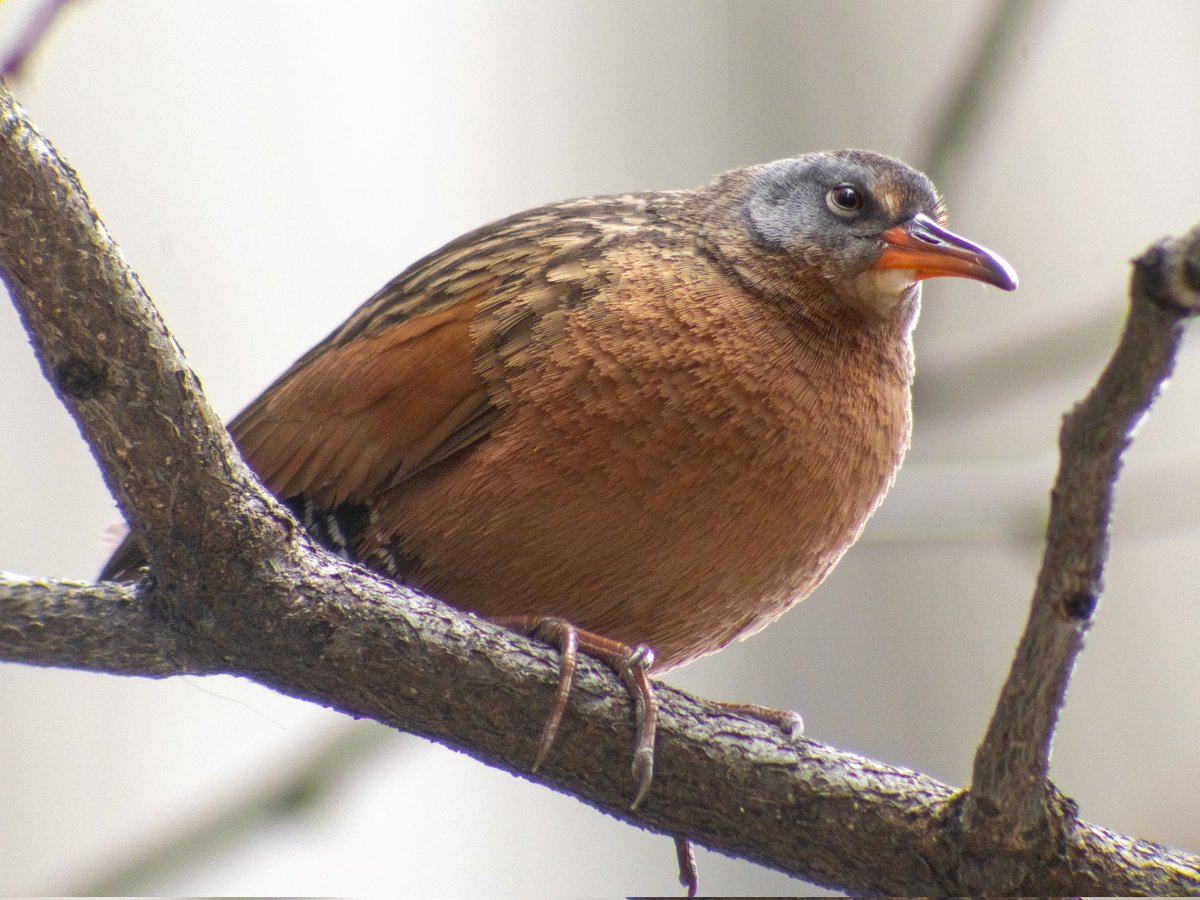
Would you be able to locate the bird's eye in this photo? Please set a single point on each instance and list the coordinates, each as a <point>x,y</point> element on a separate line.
<point>844,200</point>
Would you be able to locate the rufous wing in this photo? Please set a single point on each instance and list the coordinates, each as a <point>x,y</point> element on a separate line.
<point>404,382</point>
<point>358,413</point>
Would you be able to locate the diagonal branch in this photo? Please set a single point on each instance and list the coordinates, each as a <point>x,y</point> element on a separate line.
<point>1011,767</point>
<point>301,789</point>
<point>238,588</point>
<point>959,115</point>
<point>17,57</point>
<point>117,369</point>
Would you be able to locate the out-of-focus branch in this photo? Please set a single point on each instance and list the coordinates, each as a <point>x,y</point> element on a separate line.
<point>1009,793</point>
<point>14,61</point>
<point>958,116</point>
<point>288,793</point>
<point>243,591</point>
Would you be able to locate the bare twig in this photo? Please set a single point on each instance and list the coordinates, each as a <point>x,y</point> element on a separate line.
<point>242,591</point>
<point>1009,790</point>
<point>958,117</point>
<point>15,60</point>
<point>288,793</point>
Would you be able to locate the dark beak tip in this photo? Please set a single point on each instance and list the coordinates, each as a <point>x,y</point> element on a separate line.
<point>1006,277</point>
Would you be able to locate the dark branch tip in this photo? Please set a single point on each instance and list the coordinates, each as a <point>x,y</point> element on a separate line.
<point>79,379</point>
<point>1168,274</point>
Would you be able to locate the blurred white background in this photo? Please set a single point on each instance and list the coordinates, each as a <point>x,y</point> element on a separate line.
<point>267,166</point>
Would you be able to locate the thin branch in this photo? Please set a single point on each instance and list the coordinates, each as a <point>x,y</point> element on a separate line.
<point>959,116</point>
<point>1009,786</point>
<point>247,593</point>
<point>290,793</point>
<point>17,58</point>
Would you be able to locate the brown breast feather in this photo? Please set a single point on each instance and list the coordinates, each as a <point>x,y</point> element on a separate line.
<point>560,357</point>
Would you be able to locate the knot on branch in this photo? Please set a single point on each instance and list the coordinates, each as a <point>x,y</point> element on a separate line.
<point>1080,606</point>
<point>79,379</point>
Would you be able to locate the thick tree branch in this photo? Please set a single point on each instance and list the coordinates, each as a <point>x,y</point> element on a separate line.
<point>1009,790</point>
<point>164,453</point>
<point>237,588</point>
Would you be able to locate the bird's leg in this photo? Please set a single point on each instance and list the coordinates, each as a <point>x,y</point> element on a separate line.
<point>629,663</point>
<point>686,854</point>
<point>790,722</point>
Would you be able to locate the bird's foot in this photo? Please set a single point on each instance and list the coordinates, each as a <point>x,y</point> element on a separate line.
<point>790,722</point>
<point>631,665</point>
<point>686,854</point>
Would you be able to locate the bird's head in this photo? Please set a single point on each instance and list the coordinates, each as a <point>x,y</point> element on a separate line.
<point>867,225</point>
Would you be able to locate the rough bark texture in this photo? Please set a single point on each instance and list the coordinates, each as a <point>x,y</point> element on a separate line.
<point>1010,800</point>
<point>237,588</point>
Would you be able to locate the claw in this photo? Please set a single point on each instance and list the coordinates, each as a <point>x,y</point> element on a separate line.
<point>631,665</point>
<point>688,876</point>
<point>633,671</point>
<point>568,650</point>
<point>643,771</point>
<point>790,722</point>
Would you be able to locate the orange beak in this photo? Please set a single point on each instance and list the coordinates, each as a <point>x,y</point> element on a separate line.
<point>929,250</point>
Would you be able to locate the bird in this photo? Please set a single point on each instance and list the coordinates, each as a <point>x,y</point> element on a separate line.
<point>640,426</point>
